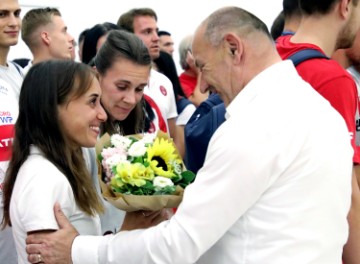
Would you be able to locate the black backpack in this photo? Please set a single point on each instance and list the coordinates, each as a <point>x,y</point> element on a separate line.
<point>208,116</point>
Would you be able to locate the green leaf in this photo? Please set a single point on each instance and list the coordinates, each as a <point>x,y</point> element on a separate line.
<point>100,158</point>
<point>188,176</point>
<point>166,190</point>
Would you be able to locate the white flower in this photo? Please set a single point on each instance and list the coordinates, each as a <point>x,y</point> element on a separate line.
<point>161,182</point>
<point>120,141</point>
<point>148,138</point>
<point>137,149</point>
<point>115,160</point>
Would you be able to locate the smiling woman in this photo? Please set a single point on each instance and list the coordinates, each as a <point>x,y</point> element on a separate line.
<point>47,164</point>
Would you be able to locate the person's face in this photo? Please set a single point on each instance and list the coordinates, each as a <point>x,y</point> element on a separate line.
<point>217,74</point>
<point>80,118</point>
<point>100,42</point>
<point>167,44</point>
<point>353,53</point>
<point>10,23</point>
<point>81,45</point>
<point>61,42</point>
<point>72,51</point>
<point>348,34</point>
<point>145,28</point>
<point>191,62</point>
<point>123,87</point>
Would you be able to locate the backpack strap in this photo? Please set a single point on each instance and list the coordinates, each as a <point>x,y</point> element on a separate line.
<point>306,54</point>
<point>212,100</point>
<point>287,33</point>
<point>181,104</point>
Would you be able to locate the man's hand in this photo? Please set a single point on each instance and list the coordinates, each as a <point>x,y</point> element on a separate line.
<point>52,247</point>
<point>144,219</point>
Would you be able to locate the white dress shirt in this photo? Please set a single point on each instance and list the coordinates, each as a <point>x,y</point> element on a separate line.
<point>275,187</point>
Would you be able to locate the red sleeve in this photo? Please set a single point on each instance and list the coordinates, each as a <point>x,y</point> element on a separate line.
<point>187,86</point>
<point>343,96</point>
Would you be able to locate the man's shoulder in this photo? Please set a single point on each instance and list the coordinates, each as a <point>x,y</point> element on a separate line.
<point>157,78</point>
<point>328,68</point>
<point>287,48</point>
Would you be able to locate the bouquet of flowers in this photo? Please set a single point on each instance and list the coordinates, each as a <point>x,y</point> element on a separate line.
<point>141,172</point>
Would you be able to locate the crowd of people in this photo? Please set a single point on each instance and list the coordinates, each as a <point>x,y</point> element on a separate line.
<point>277,175</point>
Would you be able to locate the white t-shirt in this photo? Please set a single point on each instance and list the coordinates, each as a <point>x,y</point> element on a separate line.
<point>38,186</point>
<point>185,115</point>
<point>160,89</point>
<point>8,115</point>
<point>14,76</point>
<point>270,191</point>
<point>112,218</point>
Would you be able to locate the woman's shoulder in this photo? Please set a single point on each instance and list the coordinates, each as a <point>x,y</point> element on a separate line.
<point>38,168</point>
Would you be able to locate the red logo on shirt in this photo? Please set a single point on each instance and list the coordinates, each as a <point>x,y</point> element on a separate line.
<point>163,90</point>
<point>6,138</point>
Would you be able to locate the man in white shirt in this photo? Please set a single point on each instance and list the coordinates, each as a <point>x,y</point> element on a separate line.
<point>270,190</point>
<point>10,83</point>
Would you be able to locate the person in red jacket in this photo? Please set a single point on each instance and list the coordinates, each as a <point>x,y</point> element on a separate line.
<point>325,27</point>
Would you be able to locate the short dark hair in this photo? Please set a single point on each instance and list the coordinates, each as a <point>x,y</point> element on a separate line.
<point>291,8</point>
<point>126,20</point>
<point>277,26</point>
<point>163,33</point>
<point>310,7</point>
<point>33,19</point>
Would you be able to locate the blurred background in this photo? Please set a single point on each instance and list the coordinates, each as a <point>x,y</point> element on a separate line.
<point>180,18</point>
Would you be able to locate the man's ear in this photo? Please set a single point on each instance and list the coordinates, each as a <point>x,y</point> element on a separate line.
<point>234,46</point>
<point>45,37</point>
<point>345,8</point>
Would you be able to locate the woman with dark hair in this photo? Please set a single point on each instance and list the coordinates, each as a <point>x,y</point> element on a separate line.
<point>93,40</point>
<point>123,64</point>
<point>59,113</point>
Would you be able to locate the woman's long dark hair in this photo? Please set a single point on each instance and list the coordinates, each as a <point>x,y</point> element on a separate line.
<point>47,86</point>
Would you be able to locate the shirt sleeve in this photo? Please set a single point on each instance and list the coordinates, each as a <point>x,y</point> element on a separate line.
<point>219,184</point>
<point>46,186</point>
<point>345,101</point>
<point>172,112</point>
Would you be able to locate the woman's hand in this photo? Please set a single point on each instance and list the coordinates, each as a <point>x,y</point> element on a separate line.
<point>144,219</point>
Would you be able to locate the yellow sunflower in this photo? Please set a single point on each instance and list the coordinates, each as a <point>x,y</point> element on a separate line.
<point>161,155</point>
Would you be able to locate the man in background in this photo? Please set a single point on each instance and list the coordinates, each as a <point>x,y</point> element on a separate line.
<point>166,42</point>
<point>45,33</point>
<point>143,23</point>
<point>190,77</point>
